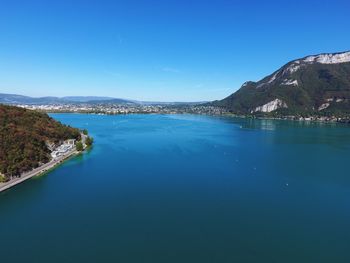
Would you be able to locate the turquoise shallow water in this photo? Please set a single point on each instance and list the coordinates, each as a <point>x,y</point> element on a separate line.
<point>183,188</point>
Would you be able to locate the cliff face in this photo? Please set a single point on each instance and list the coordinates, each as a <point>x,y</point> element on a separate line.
<point>24,139</point>
<point>314,84</point>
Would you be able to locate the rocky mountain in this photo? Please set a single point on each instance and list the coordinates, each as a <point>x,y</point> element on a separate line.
<point>318,84</point>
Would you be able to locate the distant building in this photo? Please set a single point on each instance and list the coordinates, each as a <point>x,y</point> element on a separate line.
<point>67,146</point>
<point>55,154</point>
<point>70,141</point>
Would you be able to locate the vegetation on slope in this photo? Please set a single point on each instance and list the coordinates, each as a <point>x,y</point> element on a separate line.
<point>24,135</point>
<point>313,89</point>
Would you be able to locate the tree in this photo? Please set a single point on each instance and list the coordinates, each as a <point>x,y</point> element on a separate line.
<point>2,178</point>
<point>85,132</point>
<point>79,146</point>
<point>89,140</point>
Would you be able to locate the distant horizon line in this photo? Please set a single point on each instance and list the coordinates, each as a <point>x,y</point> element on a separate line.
<point>102,97</point>
<point>105,98</point>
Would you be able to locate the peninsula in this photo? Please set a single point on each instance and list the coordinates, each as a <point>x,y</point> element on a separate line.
<point>32,143</point>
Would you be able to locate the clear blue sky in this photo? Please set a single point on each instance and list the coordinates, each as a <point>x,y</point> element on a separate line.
<point>181,50</point>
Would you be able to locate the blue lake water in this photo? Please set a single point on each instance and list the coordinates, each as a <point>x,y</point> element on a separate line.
<point>183,188</point>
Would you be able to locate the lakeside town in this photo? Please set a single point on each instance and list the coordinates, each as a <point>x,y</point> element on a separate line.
<point>132,108</point>
<point>202,109</point>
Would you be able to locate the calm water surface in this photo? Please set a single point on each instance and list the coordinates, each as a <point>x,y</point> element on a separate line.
<point>182,188</point>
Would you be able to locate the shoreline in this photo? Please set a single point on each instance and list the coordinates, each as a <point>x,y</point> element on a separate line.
<point>37,171</point>
<point>313,119</point>
<point>306,120</point>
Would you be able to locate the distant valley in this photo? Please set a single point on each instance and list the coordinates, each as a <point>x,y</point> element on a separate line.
<point>316,86</point>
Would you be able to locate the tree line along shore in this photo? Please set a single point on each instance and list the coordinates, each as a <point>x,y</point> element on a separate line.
<point>27,139</point>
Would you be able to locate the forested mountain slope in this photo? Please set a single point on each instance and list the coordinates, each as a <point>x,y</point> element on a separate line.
<point>318,84</point>
<point>24,135</point>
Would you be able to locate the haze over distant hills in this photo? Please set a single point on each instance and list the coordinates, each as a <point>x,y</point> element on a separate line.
<point>20,99</point>
<point>13,99</point>
<point>317,84</point>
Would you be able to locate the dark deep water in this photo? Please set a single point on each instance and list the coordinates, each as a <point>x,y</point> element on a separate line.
<point>182,188</point>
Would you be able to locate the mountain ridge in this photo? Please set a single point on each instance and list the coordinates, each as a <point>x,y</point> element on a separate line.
<point>15,99</point>
<point>22,99</point>
<point>315,84</point>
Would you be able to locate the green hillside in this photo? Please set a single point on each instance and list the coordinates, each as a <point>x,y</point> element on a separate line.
<point>24,135</point>
<point>312,85</point>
